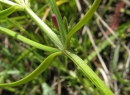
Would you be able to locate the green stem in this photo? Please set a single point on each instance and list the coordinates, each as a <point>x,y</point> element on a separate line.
<point>8,2</point>
<point>44,28</point>
<point>82,22</point>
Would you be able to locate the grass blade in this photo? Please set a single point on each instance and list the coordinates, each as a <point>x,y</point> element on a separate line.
<point>115,61</point>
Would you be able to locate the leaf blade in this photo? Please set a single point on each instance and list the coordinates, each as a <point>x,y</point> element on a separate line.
<point>42,67</point>
<point>27,41</point>
<point>59,20</point>
<point>88,72</point>
<point>82,22</point>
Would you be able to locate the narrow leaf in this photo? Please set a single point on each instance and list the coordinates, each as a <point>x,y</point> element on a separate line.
<point>83,21</point>
<point>7,12</point>
<point>115,61</point>
<point>27,41</point>
<point>59,20</point>
<point>10,10</point>
<point>88,72</point>
<point>42,67</point>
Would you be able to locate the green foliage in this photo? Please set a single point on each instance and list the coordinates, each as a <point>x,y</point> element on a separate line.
<point>48,43</point>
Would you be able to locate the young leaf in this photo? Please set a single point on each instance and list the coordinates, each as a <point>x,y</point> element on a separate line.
<point>66,24</point>
<point>59,20</point>
<point>42,67</point>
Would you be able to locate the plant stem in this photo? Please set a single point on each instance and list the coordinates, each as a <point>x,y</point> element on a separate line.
<point>44,28</point>
<point>8,2</point>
